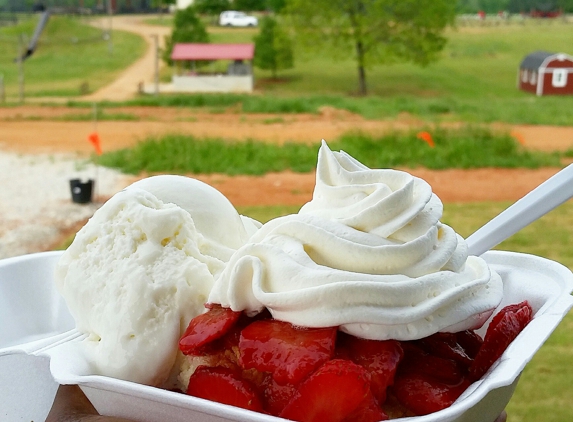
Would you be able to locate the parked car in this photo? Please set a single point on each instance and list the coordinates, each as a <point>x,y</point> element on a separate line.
<point>234,18</point>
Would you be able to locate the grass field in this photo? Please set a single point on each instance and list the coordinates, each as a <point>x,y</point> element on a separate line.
<point>72,57</point>
<point>464,147</point>
<point>474,80</point>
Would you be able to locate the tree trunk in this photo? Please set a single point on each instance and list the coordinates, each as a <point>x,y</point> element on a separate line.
<point>361,72</point>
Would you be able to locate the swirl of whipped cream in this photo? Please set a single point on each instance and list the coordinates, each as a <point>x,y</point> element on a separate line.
<point>367,254</point>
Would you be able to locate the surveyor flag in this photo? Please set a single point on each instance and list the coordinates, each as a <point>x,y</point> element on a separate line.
<point>94,139</point>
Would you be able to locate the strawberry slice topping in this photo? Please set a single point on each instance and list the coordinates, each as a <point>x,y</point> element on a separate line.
<point>441,369</point>
<point>225,386</point>
<point>288,352</point>
<point>276,396</point>
<point>445,345</point>
<point>503,329</point>
<point>331,393</point>
<point>423,394</point>
<point>207,327</point>
<point>367,411</point>
<point>379,358</point>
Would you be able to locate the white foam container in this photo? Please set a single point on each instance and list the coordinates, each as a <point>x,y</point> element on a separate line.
<point>36,329</point>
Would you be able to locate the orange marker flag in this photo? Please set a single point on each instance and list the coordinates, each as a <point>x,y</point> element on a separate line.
<point>94,139</point>
<point>518,137</point>
<point>427,137</point>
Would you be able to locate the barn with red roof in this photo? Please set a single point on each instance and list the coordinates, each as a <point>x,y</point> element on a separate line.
<point>544,73</point>
<point>238,76</point>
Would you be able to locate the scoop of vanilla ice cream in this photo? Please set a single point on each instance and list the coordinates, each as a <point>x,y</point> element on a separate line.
<point>368,254</point>
<point>142,268</point>
<point>213,214</point>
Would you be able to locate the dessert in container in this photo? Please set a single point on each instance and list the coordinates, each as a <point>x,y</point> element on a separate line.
<point>37,327</point>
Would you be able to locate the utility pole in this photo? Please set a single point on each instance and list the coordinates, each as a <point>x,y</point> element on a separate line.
<point>2,92</point>
<point>156,64</point>
<point>21,68</point>
<point>109,38</point>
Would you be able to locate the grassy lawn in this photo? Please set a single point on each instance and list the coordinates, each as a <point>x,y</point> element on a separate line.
<point>465,147</point>
<point>70,54</point>
<point>474,81</point>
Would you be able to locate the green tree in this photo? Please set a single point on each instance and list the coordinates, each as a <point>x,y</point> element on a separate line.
<point>273,48</point>
<point>276,6</point>
<point>249,5</point>
<point>211,7</point>
<point>187,27</point>
<point>373,31</point>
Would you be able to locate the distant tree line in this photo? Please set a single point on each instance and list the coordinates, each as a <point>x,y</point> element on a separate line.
<point>513,6</point>
<point>121,6</point>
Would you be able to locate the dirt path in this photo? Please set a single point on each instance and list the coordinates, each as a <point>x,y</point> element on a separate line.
<point>143,70</point>
<point>33,129</point>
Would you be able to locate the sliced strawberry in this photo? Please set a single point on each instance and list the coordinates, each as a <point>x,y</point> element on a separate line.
<point>331,393</point>
<point>470,341</point>
<point>445,345</point>
<point>418,361</point>
<point>503,329</point>
<point>289,353</point>
<point>367,411</point>
<point>225,386</point>
<point>207,327</point>
<point>276,396</point>
<point>422,394</point>
<point>379,358</point>
<point>512,309</point>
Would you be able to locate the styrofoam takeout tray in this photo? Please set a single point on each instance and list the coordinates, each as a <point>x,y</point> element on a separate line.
<point>36,325</point>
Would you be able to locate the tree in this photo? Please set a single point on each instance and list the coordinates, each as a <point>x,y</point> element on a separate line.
<point>273,48</point>
<point>187,27</point>
<point>373,31</point>
<point>276,6</point>
<point>249,5</point>
<point>211,7</point>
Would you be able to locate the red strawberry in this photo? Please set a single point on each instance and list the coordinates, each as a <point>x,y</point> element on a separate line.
<point>276,396</point>
<point>379,358</point>
<point>331,393</point>
<point>470,341</point>
<point>422,394</point>
<point>367,411</point>
<point>418,361</point>
<point>289,353</point>
<point>207,327</point>
<point>503,329</point>
<point>225,386</point>
<point>445,345</point>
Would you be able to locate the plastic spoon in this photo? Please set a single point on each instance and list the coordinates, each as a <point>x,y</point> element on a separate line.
<point>547,196</point>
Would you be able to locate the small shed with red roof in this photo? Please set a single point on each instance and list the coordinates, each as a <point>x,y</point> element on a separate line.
<point>544,73</point>
<point>238,76</point>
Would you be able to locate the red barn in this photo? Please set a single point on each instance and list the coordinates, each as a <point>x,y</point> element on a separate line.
<point>544,73</point>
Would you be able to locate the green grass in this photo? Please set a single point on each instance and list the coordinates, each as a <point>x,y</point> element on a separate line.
<point>467,147</point>
<point>474,81</point>
<point>101,116</point>
<point>72,57</point>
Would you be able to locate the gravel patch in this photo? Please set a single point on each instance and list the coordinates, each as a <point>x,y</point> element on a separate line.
<point>36,204</point>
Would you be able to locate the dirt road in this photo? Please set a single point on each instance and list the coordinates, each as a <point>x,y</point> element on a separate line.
<point>143,70</point>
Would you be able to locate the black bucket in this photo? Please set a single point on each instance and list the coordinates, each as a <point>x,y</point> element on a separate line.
<point>81,191</point>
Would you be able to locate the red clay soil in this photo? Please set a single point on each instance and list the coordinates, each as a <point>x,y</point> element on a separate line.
<point>33,129</point>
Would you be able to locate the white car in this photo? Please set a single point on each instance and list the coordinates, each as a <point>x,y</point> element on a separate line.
<point>233,18</point>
